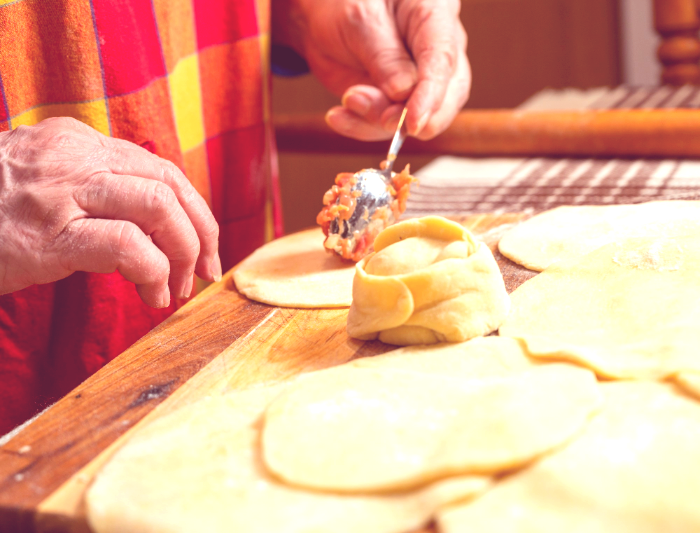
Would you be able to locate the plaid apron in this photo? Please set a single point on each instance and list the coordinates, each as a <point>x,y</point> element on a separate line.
<point>186,79</point>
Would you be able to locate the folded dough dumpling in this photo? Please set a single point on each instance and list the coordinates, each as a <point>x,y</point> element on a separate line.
<point>428,281</point>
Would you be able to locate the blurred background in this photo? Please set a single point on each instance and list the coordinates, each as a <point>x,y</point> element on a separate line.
<point>516,49</point>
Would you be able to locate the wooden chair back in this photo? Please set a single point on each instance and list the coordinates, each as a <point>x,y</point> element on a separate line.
<point>677,23</point>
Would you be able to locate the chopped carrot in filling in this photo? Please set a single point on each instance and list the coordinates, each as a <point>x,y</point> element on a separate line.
<point>339,203</point>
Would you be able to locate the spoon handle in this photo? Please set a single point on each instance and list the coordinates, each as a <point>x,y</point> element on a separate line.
<point>397,141</point>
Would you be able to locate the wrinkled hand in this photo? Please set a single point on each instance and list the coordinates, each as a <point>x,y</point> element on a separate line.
<point>377,53</point>
<point>72,199</point>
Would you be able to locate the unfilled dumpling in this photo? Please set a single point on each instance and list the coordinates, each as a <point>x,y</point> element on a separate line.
<point>296,271</point>
<point>428,281</point>
<point>627,310</point>
<point>376,429</point>
<point>634,469</point>
<point>568,232</point>
<point>199,469</point>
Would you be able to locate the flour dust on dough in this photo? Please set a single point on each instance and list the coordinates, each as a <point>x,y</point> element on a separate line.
<point>634,469</point>
<point>377,429</point>
<point>627,310</point>
<point>573,231</point>
<point>200,469</point>
<point>296,271</point>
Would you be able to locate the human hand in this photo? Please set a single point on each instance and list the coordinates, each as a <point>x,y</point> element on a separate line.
<point>72,199</point>
<point>378,54</point>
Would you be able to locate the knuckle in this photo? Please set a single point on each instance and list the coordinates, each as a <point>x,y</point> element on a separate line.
<point>211,230</point>
<point>193,250</point>
<point>357,13</point>
<point>63,139</point>
<point>441,61</point>
<point>23,130</point>
<point>171,173</point>
<point>160,199</point>
<point>61,122</point>
<point>125,238</point>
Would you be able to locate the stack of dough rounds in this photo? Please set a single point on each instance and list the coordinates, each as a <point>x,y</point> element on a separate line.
<point>635,469</point>
<point>355,429</point>
<point>568,232</point>
<point>296,271</point>
<point>428,281</point>
<point>627,310</point>
<point>199,469</point>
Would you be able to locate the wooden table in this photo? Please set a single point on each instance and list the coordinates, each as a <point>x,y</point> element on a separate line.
<point>219,341</point>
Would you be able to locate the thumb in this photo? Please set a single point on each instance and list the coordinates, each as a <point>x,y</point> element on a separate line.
<point>381,51</point>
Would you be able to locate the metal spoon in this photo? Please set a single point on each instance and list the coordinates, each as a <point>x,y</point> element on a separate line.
<point>373,186</point>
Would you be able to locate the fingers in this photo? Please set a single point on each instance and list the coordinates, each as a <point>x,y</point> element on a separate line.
<point>454,100</point>
<point>366,101</point>
<point>95,245</point>
<point>380,48</point>
<point>363,114</point>
<point>438,44</point>
<point>437,41</point>
<point>155,209</point>
<point>129,159</point>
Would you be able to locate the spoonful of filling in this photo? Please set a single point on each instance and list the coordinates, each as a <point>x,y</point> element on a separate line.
<point>360,205</point>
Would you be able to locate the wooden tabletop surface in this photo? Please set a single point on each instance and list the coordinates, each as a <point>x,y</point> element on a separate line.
<point>219,341</point>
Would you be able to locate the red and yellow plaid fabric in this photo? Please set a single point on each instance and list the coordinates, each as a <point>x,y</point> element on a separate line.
<point>187,79</point>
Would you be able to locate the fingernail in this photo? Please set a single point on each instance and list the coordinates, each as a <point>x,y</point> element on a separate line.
<point>216,267</point>
<point>358,103</point>
<point>401,83</point>
<point>336,120</point>
<point>187,292</point>
<point>164,298</point>
<point>390,123</point>
<point>422,121</point>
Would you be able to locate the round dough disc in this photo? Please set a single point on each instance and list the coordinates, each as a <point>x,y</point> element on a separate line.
<point>634,469</point>
<point>199,469</point>
<point>296,271</point>
<point>481,357</point>
<point>376,429</point>
<point>573,231</point>
<point>627,310</point>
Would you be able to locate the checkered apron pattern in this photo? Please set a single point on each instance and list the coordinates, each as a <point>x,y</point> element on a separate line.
<point>186,79</point>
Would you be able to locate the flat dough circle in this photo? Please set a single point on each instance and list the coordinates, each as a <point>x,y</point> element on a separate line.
<point>481,357</point>
<point>376,429</point>
<point>199,469</point>
<point>573,231</point>
<point>296,271</point>
<point>634,469</point>
<point>627,310</point>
